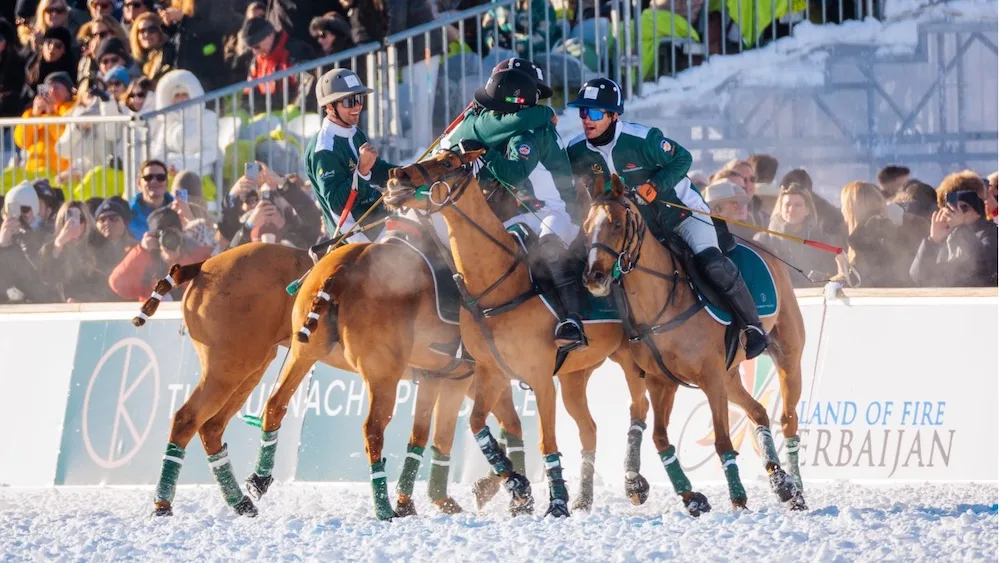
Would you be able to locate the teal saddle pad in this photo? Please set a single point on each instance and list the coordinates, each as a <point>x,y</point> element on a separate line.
<point>759,280</point>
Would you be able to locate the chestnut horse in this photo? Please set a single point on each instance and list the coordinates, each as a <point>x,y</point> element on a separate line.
<point>505,326</point>
<point>623,259</point>
<point>237,314</point>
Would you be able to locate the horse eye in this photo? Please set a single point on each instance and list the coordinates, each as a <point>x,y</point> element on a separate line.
<point>618,224</point>
<point>447,164</point>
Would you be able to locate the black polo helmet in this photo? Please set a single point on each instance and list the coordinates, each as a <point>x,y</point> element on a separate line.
<point>508,91</point>
<point>524,65</point>
<point>600,93</point>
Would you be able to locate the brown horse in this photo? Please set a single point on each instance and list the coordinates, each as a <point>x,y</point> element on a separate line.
<point>652,282</point>
<point>505,326</point>
<point>237,314</point>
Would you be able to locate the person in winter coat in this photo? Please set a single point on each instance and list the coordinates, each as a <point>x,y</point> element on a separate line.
<point>961,250</point>
<point>331,32</point>
<point>21,241</point>
<point>49,202</point>
<point>829,219</point>
<point>184,139</point>
<point>199,29</point>
<point>69,262</point>
<point>281,206</point>
<point>56,55</point>
<point>39,141</point>
<point>112,239</point>
<point>368,20</point>
<point>112,52</point>
<point>152,195</point>
<point>132,9</point>
<point>54,13</point>
<point>12,76</point>
<point>795,214</point>
<point>153,53</point>
<point>90,37</point>
<point>875,257</point>
<point>165,243</point>
<point>89,145</point>
<point>139,96</point>
<point>273,52</point>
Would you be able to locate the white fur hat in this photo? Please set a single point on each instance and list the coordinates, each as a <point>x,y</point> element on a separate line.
<point>22,195</point>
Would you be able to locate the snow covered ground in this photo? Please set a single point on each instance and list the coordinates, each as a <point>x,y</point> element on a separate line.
<point>846,522</point>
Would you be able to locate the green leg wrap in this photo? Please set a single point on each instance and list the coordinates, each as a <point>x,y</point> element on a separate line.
<point>414,454</point>
<point>265,456</point>
<point>792,445</point>
<point>557,485</point>
<point>633,447</point>
<point>494,455</point>
<point>380,491</point>
<point>514,450</point>
<point>732,471</point>
<point>437,482</point>
<point>173,459</point>
<point>223,471</point>
<point>768,453</point>
<point>673,466</point>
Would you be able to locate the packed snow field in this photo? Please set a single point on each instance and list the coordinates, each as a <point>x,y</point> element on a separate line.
<point>846,522</point>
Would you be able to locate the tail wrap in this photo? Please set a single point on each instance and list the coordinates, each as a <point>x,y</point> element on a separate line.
<point>320,305</point>
<point>179,275</point>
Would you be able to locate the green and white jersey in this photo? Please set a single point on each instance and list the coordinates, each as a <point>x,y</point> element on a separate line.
<point>331,160</point>
<point>642,155</point>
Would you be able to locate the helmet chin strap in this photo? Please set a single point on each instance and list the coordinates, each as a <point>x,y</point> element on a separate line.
<point>336,115</point>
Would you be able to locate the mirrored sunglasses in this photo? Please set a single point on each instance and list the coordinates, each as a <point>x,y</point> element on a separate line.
<point>352,101</point>
<point>593,114</point>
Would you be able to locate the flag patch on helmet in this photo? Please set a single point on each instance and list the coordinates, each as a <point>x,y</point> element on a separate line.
<point>514,100</point>
<point>666,146</point>
<point>524,151</point>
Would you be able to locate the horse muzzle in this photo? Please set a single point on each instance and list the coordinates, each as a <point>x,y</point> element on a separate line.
<point>597,282</point>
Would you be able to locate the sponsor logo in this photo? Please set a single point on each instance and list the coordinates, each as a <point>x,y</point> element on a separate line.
<point>524,150</point>
<point>351,165</point>
<point>666,146</point>
<point>631,167</point>
<point>597,169</point>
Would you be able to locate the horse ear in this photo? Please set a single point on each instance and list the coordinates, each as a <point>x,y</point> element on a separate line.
<point>617,187</point>
<point>473,155</point>
<point>595,184</point>
<point>393,173</point>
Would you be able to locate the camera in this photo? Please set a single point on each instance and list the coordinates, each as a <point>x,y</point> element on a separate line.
<point>170,240</point>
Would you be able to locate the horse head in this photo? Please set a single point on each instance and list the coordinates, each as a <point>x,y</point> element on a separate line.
<point>432,183</point>
<point>614,231</point>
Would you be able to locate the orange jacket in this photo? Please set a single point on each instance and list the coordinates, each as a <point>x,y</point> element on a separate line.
<point>39,142</point>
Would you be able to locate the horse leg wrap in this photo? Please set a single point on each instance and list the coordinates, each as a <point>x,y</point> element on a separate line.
<point>633,448</point>
<point>737,494</point>
<point>500,463</point>
<point>792,445</point>
<point>514,449</point>
<point>437,481</point>
<point>558,495</point>
<point>673,466</point>
<point>265,457</point>
<point>173,460</point>
<point>380,491</point>
<point>222,469</point>
<point>414,455</point>
<point>585,500</point>
<point>768,453</point>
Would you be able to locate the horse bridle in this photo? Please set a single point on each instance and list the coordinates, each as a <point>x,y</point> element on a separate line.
<point>627,261</point>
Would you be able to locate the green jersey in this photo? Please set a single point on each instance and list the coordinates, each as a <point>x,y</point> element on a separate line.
<point>642,155</point>
<point>331,159</point>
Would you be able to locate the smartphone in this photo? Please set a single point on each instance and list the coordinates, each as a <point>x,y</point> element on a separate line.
<point>252,171</point>
<point>181,194</point>
<point>43,90</point>
<point>74,216</point>
<point>266,195</point>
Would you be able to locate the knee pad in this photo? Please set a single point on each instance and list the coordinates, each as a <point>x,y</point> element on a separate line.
<point>719,268</point>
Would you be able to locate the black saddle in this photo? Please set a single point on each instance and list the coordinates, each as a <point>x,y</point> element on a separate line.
<point>401,230</point>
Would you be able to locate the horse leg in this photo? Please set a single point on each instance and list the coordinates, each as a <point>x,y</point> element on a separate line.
<point>789,363</point>
<point>489,387</point>
<point>662,392</point>
<point>449,402</point>
<point>294,371</point>
<point>545,395</point>
<point>211,437</point>
<point>381,402</point>
<point>781,484</point>
<point>636,486</point>
<point>511,443</point>
<point>427,393</point>
<point>221,377</point>
<point>574,393</point>
<point>715,389</point>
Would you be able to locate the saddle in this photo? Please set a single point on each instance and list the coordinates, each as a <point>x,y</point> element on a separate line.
<point>407,232</point>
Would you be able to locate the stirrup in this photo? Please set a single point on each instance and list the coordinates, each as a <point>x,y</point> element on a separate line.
<point>755,341</point>
<point>571,341</point>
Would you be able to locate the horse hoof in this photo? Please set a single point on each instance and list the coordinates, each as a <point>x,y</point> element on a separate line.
<point>485,489</point>
<point>447,505</point>
<point>637,490</point>
<point>798,502</point>
<point>740,503</point>
<point>257,485</point>
<point>783,485</point>
<point>697,504</point>
<point>582,504</point>
<point>163,510</point>
<point>405,507</point>
<point>557,509</point>
<point>246,508</point>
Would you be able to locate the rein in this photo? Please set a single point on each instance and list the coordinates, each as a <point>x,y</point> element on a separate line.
<point>627,261</point>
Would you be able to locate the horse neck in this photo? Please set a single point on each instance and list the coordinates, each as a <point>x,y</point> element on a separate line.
<point>646,292</point>
<point>480,262</point>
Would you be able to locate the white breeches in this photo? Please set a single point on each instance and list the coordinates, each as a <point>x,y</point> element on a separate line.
<point>699,233</point>
<point>549,221</point>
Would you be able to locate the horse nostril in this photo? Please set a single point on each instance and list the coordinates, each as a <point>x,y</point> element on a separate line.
<point>598,275</point>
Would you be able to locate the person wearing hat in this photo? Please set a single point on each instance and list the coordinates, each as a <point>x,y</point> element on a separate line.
<point>38,142</point>
<point>273,52</point>
<point>339,157</point>
<point>20,244</point>
<point>525,154</point>
<point>49,200</point>
<point>165,243</point>
<point>654,169</point>
<point>112,52</point>
<point>332,32</point>
<point>55,54</point>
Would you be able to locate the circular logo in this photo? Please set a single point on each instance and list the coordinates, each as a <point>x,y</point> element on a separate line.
<point>128,366</point>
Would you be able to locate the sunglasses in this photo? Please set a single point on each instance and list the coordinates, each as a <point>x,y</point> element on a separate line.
<point>133,5</point>
<point>109,218</point>
<point>593,114</point>
<point>111,61</point>
<point>963,207</point>
<point>352,101</point>
<point>155,177</point>
<point>102,34</point>
<point>320,35</point>
<point>135,95</point>
<point>149,30</point>
<point>54,44</point>
<point>25,209</point>
<point>57,10</point>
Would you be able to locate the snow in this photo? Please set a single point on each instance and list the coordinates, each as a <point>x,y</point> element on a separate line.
<point>847,522</point>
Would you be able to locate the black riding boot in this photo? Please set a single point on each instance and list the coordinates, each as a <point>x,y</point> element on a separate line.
<point>727,279</point>
<point>567,280</point>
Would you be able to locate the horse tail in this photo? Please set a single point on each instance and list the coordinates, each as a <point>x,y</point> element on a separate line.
<point>179,275</point>
<point>323,301</point>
